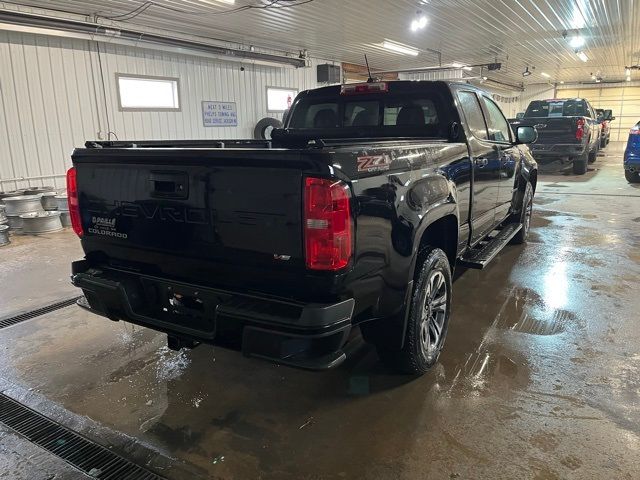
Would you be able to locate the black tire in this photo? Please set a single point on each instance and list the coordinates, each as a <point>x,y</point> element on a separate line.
<point>593,155</point>
<point>603,143</point>
<point>632,177</point>
<point>580,164</point>
<point>428,319</point>
<point>523,217</point>
<point>264,127</point>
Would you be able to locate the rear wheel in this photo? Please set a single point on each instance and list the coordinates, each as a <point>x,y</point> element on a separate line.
<point>593,155</point>
<point>428,319</point>
<point>524,217</point>
<point>603,143</point>
<point>632,177</point>
<point>580,164</point>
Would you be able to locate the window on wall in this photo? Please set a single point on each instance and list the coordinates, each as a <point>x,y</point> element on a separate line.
<point>143,93</point>
<point>280,99</point>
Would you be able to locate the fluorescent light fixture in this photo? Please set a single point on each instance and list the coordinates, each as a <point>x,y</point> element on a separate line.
<point>561,82</point>
<point>582,56</point>
<point>213,2</point>
<point>397,48</point>
<point>419,23</point>
<point>545,75</point>
<point>576,41</point>
<point>457,65</point>
<point>467,68</point>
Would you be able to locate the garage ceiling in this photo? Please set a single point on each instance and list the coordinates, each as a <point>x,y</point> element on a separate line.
<point>517,33</point>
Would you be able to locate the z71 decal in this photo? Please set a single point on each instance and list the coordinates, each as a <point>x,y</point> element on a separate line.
<point>374,163</point>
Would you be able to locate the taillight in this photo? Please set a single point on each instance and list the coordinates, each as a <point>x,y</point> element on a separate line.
<point>74,205</point>
<point>327,224</point>
<point>360,88</point>
<point>580,129</point>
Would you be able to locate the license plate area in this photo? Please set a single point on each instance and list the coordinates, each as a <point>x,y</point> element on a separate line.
<point>182,305</point>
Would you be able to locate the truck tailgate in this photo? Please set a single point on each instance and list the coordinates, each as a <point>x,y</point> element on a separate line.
<point>560,130</point>
<point>198,209</point>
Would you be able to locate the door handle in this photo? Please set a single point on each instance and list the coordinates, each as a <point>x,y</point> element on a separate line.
<point>481,162</point>
<point>169,184</point>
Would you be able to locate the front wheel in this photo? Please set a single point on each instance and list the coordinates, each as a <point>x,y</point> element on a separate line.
<point>524,217</point>
<point>632,177</point>
<point>428,319</point>
<point>603,143</point>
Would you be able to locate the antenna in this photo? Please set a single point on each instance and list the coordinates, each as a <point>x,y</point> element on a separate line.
<point>370,79</point>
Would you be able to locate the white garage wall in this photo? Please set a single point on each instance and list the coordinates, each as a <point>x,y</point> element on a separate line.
<point>512,104</point>
<point>51,100</point>
<point>622,98</point>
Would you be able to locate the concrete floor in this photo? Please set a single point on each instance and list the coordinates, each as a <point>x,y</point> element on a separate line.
<point>540,377</point>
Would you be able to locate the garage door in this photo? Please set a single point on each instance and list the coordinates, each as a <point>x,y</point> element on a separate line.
<point>624,101</point>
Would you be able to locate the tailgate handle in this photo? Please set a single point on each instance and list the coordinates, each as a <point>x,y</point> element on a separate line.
<point>169,184</point>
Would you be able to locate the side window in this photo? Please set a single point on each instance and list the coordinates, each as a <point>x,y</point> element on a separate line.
<point>473,114</point>
<point>498,125</point>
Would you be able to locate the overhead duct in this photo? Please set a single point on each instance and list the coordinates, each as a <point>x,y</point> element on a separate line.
<point>105,33</point>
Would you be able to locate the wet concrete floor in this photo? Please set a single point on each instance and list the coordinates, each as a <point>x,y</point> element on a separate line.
<point>539,379</point>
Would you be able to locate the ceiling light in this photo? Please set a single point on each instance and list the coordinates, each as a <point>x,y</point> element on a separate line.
<point>467,68</point>
<point>576,41</point>
<point>213,2</point>
<point>593,77</point>
<point>397,48</point>
<point>526,72</point>
<point>485,78</point>
<point>419,23</point>
<point>457,65</point>
<point>561,82</point>
<point>598,80</point>
<point>545,75</point>
<point>628,79</point>
<point>582,56</point>
<point>627,72</point>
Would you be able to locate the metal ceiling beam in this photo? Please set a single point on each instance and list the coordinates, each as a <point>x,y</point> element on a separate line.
<point>101,32</point>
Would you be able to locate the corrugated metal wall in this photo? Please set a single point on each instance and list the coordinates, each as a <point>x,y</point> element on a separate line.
<point>511,105</point>
<point>623,99</point>
<point>51,99</point>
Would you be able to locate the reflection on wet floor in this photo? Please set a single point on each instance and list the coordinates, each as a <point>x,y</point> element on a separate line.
<point>539,378</point>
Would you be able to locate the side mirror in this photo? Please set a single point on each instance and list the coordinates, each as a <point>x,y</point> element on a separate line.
<point>519,115</point>
<point>526,134</point>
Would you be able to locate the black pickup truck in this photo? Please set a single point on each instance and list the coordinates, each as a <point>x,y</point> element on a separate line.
<point>354,214</point>
<point>568,130</point>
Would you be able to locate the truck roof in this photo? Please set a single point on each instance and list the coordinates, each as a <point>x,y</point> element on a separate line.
<point>398,86</point>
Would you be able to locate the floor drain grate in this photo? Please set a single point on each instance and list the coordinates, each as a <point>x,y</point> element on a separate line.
<point>7,322</point>
<point>80,452</point>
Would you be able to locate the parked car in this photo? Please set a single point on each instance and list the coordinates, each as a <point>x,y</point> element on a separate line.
<point>568,130</point>
<point>353,215</point>
<point>605,116</point>
<point>632,155</point>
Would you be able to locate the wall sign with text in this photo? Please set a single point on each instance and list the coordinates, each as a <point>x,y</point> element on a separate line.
<point>219,114</point>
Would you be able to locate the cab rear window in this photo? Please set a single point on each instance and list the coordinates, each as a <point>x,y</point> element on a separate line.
<point>557,108</point>
<point>376,112</point>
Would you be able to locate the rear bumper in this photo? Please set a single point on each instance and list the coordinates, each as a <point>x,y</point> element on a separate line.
<point>557,150</point>
<point>303,335</point>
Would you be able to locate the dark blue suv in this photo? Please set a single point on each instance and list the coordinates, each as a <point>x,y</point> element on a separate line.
<point>632,155</point>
